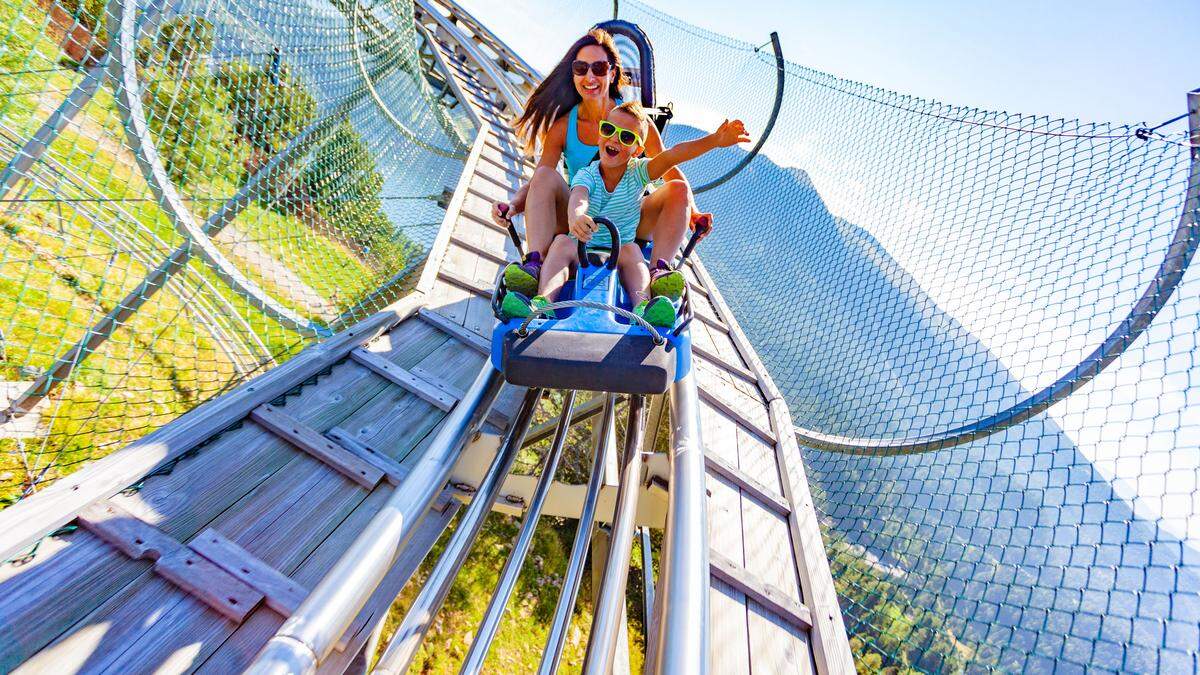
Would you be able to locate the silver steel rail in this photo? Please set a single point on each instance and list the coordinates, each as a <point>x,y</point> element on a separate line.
<point>579,549</point>
<point>403,647</point>
<point>610,602</point>
<point>516,558</point>
<point>1155,296</point>
<point>681,604</point>
<point>307,637</point>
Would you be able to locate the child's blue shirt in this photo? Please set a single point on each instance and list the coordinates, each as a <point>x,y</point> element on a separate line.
<point>623,206</point>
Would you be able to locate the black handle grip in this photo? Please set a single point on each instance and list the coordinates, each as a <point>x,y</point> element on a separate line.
<point>703,227</point>
<point>512,229</point>
<point>614,248</point>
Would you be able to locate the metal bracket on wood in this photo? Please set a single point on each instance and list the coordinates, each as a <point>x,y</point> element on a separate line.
<point>311,441</point>
<point>180,565</point>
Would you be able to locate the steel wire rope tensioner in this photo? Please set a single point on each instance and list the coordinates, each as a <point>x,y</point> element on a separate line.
<point>594,341</point>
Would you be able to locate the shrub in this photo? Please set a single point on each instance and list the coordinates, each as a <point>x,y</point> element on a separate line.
<point>268,108</point>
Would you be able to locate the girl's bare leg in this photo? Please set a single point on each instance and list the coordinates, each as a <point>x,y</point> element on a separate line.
<point>545,209</point>
<point>664,219</point>
<point>635,275</point>
<point>557,268</point>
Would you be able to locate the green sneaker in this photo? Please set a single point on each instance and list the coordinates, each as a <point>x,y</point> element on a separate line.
<point>540,301</point>
<point>523,277</point>
<point>658,312</point>
<point>514,305</point>
<point>519,306</point>
<point>665,281</point>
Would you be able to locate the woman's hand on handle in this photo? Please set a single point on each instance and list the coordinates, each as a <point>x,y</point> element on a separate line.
<point>701,222</point>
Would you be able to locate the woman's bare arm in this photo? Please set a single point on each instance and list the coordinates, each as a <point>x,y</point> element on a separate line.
<point>552,149</point>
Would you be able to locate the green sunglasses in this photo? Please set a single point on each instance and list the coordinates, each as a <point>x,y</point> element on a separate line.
<point>625,136</point>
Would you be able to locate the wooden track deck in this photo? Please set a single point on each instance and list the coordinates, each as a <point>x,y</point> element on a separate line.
<point>80,605</point>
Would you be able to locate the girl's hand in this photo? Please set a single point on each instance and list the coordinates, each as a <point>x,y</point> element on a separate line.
<point>731,133</point>
<point>583,227</point>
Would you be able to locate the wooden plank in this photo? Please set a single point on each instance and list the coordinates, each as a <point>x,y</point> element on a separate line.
<point>30,519</point>
<point>714,323</point>
<point>725,364</point>
<point>737,415</point>
<point>313,443</point>
<point>515,175</point>
<point>393,472</point>
<point>522,160</point>
<point>766,595</point>
<point>426,390</point>
<point>173,561</point>
<point>486,222</point>
<point>831,647</point>
<point>729,640</point>
<point>479,251</point>
<point>456,331</point>
<point>281,593</point>
<point>469,285</point>
<point>757,490</point>
<point>437,251</point>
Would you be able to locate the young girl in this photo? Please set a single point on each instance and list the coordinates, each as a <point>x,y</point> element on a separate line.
<point>612,187</point>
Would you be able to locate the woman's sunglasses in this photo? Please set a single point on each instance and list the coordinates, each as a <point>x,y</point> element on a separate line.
<point>599,68</point>
<point>625,136</point>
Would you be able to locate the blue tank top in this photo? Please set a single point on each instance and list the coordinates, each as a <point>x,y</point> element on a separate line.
<point>576,153</point>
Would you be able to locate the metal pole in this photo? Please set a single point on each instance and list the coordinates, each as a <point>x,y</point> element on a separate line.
<point>312,631</point>
<point>681,641</point>
<point>606,620</point>
<point>647,577</point>
<point>400,651</point>
<point>574,573</point>
<point>780,78</point>
<point>512,566</point>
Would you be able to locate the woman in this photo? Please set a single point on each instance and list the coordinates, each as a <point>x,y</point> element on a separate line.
<point>564,114</point>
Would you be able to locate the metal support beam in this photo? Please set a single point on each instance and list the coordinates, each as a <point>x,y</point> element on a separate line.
<point>681,635</point>
<point>579,549</point>
<point>477,654</point>
<point>400,651</point>
<point>610,605</point>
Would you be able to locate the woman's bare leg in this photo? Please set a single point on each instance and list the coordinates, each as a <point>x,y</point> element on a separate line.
<point>664,219</point>
<point>545,209</point>
<point>562,254</point>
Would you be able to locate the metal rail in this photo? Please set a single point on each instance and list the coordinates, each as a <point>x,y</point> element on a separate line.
<point>1155,296</point>
<point>312,631</point>
<point>610,603</point>
<point>681,622</point>
<point>780,72</point>
<point>477,654</point>
<point>579,549</point>
<point>403,647</point>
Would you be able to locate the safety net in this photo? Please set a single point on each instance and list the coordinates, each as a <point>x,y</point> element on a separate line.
<point>193,192</point>
<point>984,327</point>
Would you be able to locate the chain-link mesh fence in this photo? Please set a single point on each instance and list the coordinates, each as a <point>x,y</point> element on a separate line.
<point>915,275</point>
<point>192,192</point>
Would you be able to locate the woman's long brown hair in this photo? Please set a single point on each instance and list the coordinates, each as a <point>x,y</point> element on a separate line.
<point>556,94</point>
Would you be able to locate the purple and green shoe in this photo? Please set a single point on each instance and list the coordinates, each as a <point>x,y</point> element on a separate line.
<point>523,277</point>
<point>666,282</point>
<point>519,306</point>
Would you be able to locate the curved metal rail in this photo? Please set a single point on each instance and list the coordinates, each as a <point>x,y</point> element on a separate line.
<point>454,153</point>
<point>141,143</point>
<point>745,161</point>
<point>1155,296</point>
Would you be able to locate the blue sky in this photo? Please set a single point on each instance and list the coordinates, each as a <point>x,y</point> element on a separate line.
<point>1101,60</point>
